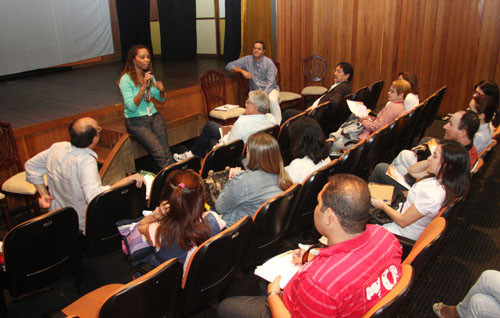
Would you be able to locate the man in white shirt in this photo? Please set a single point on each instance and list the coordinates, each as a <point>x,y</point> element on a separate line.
<point>71,170</point>
<point>261,112</point>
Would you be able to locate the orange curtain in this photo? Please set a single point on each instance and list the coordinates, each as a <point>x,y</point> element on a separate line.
<point>256,24</point>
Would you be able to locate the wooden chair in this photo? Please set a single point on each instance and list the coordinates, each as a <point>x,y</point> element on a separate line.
<point>160,179</point>
<point>16,185</point>
<point>244,88</point>
<point>389,305</point>
<point>270,224</point>
<point>212,266</point>
<point>373,95</point>
<point>314,69</point>
<point>40,251</point>
<point>222,156</point>
<point>288,99</point>
<point>101,234</point>
<point>154,294</point>
<point>5,210</point>
<point>426,245</point>
<point>213,84</point>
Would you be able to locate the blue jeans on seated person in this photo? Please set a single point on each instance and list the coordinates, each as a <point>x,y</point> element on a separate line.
<point>209,137</point>
<point>151,133</point>
<point>483,299</point>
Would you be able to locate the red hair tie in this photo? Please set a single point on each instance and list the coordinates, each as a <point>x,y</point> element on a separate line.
<point>182,185</point>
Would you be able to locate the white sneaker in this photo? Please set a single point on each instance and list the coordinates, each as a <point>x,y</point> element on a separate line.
<point>182,156</point>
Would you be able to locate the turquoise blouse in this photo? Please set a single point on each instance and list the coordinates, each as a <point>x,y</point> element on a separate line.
<point>129,91</point>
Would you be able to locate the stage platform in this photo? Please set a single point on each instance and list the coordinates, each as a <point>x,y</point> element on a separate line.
<point>35,99</point>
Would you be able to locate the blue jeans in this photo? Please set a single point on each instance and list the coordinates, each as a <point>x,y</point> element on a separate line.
<point>209,137</point>
<point>151,133</point>
<point>483,299</point>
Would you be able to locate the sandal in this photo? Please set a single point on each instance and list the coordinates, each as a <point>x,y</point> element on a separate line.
<point>437,309</point>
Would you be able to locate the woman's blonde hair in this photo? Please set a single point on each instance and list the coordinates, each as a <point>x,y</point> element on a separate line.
<point>402,86</point>
<point>264,154</point>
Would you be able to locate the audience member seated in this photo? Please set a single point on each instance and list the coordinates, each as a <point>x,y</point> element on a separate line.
<point>482,300</point>
<point>262,111</point>
<point>392,110</point>
<point>71,170</point>
<point>411,100</point>
<point>179,224</point>
<point>461,127</point>
<point>309,149</point>
<point>360,265</point>
<point>248,190</point>
<point>483,106</point>
<point>489,88</point>
<point>342,77</point>
<point>447,177</point>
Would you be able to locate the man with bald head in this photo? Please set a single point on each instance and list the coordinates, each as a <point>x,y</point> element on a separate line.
<point>71,169</point>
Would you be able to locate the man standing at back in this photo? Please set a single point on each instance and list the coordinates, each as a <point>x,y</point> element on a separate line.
<point>257,68</point>
<point>360,265</point>
<point>71,170</point>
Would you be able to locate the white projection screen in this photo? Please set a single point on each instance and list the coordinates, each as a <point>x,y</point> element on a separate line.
<point>37,34</point>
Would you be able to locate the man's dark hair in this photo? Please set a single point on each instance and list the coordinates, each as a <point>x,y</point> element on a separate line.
<point>84,138</point>
<point>469,122</point>
<point>347,68</point>
<point>349,198</point>
<point>261,42</point>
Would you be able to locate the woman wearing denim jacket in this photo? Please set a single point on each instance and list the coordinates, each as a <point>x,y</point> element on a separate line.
<point>248,190</point>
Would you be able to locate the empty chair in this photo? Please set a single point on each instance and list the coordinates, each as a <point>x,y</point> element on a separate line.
<point>40,251</point>
<point>101,234</point>
<point>287,99</point>
<point>221,156</point>
<point>15,186</point>
<point>154,294</point>
<point>270,224</point>
<point>158,182</point>
<point>402,132</point>
<point>389,305</point>
<point>426,245</point>
<point>433,108</point>
<point>303,215</point>
<point>212,266</point>
<point>314,69</point>
<point>369,157</point>
<point>373,95</point>
<point>214,89</point>
<point>350,159</point>
<point>359,95</point>
<point>322,115</point>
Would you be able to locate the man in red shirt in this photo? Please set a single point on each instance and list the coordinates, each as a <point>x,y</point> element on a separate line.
<point>361,264</point>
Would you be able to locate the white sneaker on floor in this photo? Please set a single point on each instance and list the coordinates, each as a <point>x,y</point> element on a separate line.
<point>182,156</point>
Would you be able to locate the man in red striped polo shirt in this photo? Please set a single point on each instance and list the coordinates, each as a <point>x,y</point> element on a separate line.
<point>361,264</point>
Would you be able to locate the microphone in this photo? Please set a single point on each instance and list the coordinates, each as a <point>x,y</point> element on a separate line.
<point>147,94</point>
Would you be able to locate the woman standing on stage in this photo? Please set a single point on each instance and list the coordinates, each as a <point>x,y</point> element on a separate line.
<point>138,87</point>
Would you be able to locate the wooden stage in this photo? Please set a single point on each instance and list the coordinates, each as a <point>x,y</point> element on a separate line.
<point>184,111</point>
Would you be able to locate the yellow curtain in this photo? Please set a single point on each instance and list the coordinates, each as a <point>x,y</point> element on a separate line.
<point>256,24</point>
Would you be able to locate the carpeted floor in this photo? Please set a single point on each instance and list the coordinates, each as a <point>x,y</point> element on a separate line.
<point>471,245</point>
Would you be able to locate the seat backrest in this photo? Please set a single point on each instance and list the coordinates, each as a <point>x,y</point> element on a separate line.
<point>368,158</point>
<point>402,132</point>
<point>214,89</point>
<point>278,73</point>
<point>41,250</point>
<point>273,131</point>
<point>270,224</point>
<point>155,293</point>
<point>8,149</point>
<point>434,103</point>
<point>222,156</point>
<point>307,201</point>
<point>322,115</point>
<point>284,140</point>
<point>212,266</point>
<point>338,115</point>
<point>385,154</point>
<point>389,305</point>
<point>314,69</point>
<point>101,234</point>
<point>374,91</point>
<point>360,94</point>
<point>426,244</point>
<point>160,179</point>
<point>487,151</point>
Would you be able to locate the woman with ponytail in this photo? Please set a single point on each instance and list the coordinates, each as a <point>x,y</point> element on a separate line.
<point>179,224</point>
<point>264,178</point>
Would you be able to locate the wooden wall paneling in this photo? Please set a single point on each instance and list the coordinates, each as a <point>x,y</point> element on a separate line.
<point>452,43</point>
